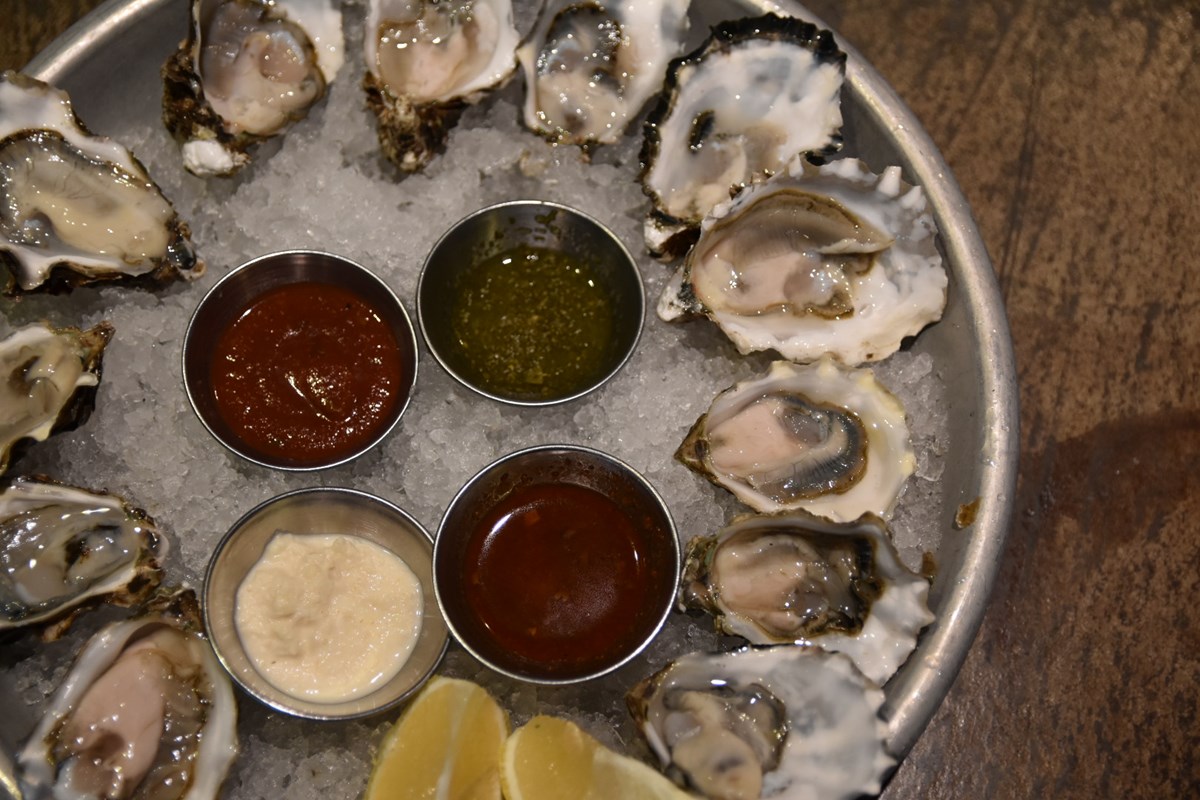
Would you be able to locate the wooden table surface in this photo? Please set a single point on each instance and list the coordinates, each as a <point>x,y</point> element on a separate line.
<point>1074,130</point>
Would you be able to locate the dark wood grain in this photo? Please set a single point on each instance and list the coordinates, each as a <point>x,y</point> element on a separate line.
<point>27,26</point>
<point>1073,129</point>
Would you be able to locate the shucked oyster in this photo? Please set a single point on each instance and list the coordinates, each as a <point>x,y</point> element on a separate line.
<point>426,61</point>
<point>247,70</point>
<point>741,106</point>
<point>790,722</point>
<point>590,66</point>
<point>796,578</point>
<point>816,260</point>
<point>822,438</point>
<point>77,208</point>
<point>61,547</point>
<point>48,379</point>
<point>146,711</point>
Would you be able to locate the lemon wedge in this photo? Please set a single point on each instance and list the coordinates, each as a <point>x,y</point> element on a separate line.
<point>446,746</point>
<point>551,759</point>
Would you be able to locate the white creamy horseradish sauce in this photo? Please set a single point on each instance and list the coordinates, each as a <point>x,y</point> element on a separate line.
<point>328,617</point>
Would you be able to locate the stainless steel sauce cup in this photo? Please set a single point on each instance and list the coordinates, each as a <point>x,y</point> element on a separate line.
<point>563,618</point>
<point>508,227</point>
<point>248,282</point>
<point>314,512</point>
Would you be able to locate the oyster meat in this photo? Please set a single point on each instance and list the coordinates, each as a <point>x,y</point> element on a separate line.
<point>77,208</point>
<point>62,547</point>
<point>790,722</point>
<point>247,70</point>
<point>590,66</point>
<point>798,578</point>
<point>817,260</point>
<point>146,711</point>
<point>426,61</point>
<point>824,438</point>
<point>48,380</point>
<point>756,93</point>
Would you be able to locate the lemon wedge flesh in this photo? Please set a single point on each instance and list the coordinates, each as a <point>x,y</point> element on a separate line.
<point>552,759</point>
<point>446,746</point>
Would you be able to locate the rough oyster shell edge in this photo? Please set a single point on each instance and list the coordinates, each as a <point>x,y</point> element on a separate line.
<point>32,106</point>
<point>133,583</point>
<point>889,455</point>
<point>893,621</point>
<point>77,405</point>
<point>411,132</point>
<point>669,237</point>
<point>177,608</point>
<point>210,148</point>
<point>835,744</point>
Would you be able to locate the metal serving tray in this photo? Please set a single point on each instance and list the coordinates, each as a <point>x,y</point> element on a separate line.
<point>109,63</point>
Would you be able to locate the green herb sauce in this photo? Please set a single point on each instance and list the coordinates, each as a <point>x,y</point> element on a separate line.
<point>533,324</point>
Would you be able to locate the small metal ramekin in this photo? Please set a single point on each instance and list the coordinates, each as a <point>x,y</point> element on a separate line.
<point>554,464</point>
<point>321,511</point>
<point>536,223</point>
<point>241,286</point>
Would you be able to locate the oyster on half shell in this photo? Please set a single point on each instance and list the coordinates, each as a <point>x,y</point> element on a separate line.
<point>758,92</point>
<point>48,380</point>
<point>247,70</point>
<point>786,722</point>
<point>146,711</point>
<point>590,65</point>
<point>797,578</point>
<point>426,61</point>
<point>823,438</point>
<point>77,208</point>
<point>62,547</point>
<point>817,260</point>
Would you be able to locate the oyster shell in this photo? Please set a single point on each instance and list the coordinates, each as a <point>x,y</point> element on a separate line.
<point>48,380</point>
<point>817,260</point>
<point>798,578</point>
<point>426,61</point>
<point>824,438</point>
<point>62,547</point>
<point>247,70</point>
<point>590,66</point>
<point>77,208</point>
<point>756,93</point>
<point>765,722</point>
<point>146,708</point>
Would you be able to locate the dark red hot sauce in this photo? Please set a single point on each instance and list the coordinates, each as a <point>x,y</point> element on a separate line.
<point>308,373</point>
<point>558,576</point>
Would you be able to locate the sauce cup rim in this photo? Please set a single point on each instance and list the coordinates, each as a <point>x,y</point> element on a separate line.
<point>395,309</point>
<point>254,683</point>
<point>670,532</point>
<point>430,341</point>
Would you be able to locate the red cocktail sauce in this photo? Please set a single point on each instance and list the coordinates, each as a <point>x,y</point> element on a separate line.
<point>308,373</point>
<point>557,574</point>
